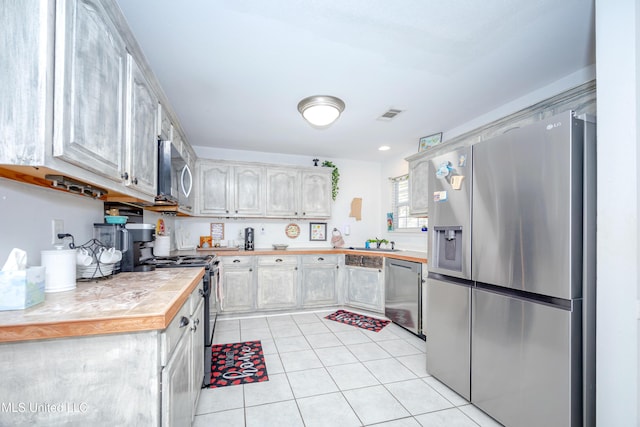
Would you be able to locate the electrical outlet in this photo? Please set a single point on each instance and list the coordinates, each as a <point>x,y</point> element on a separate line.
<point>57,227</point>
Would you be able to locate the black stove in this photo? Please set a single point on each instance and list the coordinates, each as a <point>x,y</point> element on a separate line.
<point>184,261</point>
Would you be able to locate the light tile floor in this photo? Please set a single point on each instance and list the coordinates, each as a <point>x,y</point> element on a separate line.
<point>324,373</point>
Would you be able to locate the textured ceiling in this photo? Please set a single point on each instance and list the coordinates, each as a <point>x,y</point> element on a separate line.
<point>234,71</point>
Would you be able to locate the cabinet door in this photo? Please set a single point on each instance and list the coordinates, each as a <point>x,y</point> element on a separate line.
<point>315,194</point>
<point>319,285</point>
<point>249,190</point>
<point>277,287</point>
<point>176,389</point>
<point>214,185</point>
<point>237,290</point>
<point>26,28</point>
<point>365,288</point>
<point>90,88</point>
<point>142,144</point>
<point>418,187</point>
<point>282,192</point>
<point>197,353</point>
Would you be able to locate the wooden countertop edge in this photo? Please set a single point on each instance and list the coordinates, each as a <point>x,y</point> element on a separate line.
<point>102,326</point>
<point>404,255</point>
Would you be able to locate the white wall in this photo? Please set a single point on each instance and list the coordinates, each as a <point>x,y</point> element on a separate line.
<point>618,53</point>
<point>27,211</point>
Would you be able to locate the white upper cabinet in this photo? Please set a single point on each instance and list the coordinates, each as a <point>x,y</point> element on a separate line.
<point>214,184</point>
<point>283,190</point>
<point>316,193</point>
<point>90,88</point>
<point>26,81</point>
<point>142,139</point>
<point>230,190</point>
<point>249,186</point>
<point>298,193</point>
<point>418,193</point>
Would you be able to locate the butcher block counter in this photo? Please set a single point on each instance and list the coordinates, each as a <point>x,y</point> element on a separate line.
<point>126,302</point>
<point>105,353</point>
<point>415,256</point>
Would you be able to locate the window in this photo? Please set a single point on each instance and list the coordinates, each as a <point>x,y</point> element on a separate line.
<point>400,206</point>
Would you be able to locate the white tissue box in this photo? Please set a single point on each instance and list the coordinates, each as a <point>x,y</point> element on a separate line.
<point>21,289</point>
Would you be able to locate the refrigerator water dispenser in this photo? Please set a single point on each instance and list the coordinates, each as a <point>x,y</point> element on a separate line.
<point>448,248</point>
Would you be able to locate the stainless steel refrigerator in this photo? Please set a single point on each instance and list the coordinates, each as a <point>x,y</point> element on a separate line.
<point>448,313</point>
<point>531,312</point>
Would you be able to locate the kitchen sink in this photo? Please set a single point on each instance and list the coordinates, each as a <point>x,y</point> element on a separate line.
<point>376,249</point>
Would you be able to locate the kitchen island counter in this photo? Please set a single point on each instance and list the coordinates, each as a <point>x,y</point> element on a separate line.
<point>126,302</point>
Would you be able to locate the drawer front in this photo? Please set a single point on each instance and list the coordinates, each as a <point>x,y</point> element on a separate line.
<point>196,297</point>
<point>170,336</point>
<point>320,260</point>
<point>277,260</point>
<point>237,261</point>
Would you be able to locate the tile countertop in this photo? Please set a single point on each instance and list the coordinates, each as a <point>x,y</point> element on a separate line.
<point>415,256</point>
<point>126,302</point>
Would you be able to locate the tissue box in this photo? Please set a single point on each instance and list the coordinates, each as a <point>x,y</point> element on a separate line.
<point>21,288</point>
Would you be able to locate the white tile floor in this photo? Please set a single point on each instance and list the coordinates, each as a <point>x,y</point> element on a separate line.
<point>324,373</point>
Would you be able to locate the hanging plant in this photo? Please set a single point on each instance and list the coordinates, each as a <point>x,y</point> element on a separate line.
<point>335,177</point>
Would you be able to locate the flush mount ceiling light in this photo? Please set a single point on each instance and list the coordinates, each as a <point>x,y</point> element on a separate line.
<point>321,110</point>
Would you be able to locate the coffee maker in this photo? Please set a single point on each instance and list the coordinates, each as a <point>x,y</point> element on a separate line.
<point>248,239</point>
<point>140,237</point>
<point>132,240</point>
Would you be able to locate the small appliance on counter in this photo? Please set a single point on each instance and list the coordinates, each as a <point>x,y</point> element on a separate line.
<point>140,239</point>
<point>113,236</point>
<point>132,239</point>
<point>249,239</point>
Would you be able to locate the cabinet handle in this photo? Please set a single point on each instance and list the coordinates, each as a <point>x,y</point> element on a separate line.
<point>201,292</point>
<point>184,321</point>
<point>295,268</point>
<point>196,322</point>
<point>278,260</point>
<point>320,259</point>
<point>236,260</point>
<point>135,181</point>
<point>227,211</point>
<point>125,176</point>
<point>251,269</point>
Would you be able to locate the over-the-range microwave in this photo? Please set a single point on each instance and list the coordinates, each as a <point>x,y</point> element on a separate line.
<point>175,180</point>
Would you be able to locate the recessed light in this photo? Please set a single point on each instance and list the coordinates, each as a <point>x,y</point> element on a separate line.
<point>384,148</point>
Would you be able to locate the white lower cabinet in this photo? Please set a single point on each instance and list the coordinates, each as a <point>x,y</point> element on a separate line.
<point>235,291</point>
<point>277,286</point>
<point>176,385</point>
<point>320,280</point>
<point>182,375</point>
<point>364,288</point>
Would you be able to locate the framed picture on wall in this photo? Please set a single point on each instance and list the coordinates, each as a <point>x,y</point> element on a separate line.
<point>318,231</point>
<point>429,141</point>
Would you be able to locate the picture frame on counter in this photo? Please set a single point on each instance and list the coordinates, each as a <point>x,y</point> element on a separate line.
<point>429,141</point>
<point>318,231</point>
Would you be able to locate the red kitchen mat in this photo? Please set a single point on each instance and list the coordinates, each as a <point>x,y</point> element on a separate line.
<point>359,320</point>
<point>237,363</point>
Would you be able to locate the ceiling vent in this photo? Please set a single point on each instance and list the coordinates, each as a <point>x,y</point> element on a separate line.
<point>390,114</point>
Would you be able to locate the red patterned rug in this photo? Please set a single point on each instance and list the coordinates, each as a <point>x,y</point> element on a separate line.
<point>237,363</point>
<point>359,320</point>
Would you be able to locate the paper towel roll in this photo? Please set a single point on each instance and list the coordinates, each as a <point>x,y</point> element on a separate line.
<point>60,270</point>
<point>162,246</point>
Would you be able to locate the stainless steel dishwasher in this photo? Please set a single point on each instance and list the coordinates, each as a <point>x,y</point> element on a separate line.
<point>403,294</point>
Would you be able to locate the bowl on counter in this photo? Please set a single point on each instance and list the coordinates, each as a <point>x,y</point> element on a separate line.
<point>116,219</point>
<point>280,247</point>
